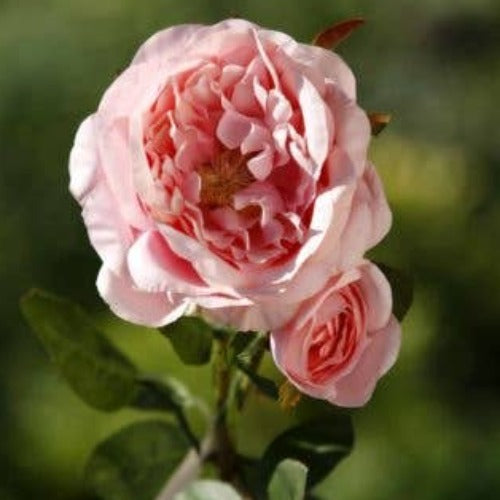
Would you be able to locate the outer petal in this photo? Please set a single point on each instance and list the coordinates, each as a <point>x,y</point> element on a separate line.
<point>356,388</point>
<point>280,341</point>
<point>381,213</point>
<point>352,128</point>
<point>262,317</point>
<point>84,161</point>
<point>143,308</point>
<point>167,43</point>
<point>114,151</point>
<point>378,296</point>
<point>316,123</point>
<point>155,268</point>
<point>369,220</point>
<point>127,90</point>
<point>140,84</point>
<point>318,64</point>
<point>184,38</point>
<point>273,312</point>
<point>108,232</point>
<point>211,268</point>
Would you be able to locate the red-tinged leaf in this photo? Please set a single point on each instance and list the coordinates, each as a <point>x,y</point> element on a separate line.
<point>334,35</point>
<point>379,121</point>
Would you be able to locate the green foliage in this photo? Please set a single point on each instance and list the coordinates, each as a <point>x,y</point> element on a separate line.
<point>239,343</point>
<point>208,489</point>
<point>264,385</point>
<point>168,395</point>
<point>288,481</point>
<point>320,444</point>
<point>134,463</point>
<point>402,289</point>
<point>164,395</point>
<point>101,375</point>
<point>441,175</point>
<point>191,338</point>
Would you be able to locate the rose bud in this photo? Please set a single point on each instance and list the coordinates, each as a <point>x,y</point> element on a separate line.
<point>225,167</point>
<point>342,340</point>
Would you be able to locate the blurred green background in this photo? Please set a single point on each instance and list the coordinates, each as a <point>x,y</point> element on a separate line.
<point>432,429</point>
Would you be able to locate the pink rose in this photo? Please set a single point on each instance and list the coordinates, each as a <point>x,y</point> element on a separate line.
<point>342,340</point>
<point>226,169</point>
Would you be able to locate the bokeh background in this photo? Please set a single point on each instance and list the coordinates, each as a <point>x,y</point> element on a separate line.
<point>432,429</point>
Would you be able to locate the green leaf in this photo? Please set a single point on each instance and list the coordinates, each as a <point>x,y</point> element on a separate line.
<point>164,395</point>
<point>402,289</point>
<point>191,338</point>
<point>239,343</point>
<point>248,468</point>
<point>288,481</point>
<point>134,463</point>
<point>265,385</point>
<point>208,489</point>
<point>320,444</point>
<point>100,374</point>
<point>168,395</point>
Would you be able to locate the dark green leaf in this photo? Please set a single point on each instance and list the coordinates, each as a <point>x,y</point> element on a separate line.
<point>318,444</point>
<point>101,375</point>
<point>168,395</point>
<point>265,385</point>
<point>191,338</point>
<point>240,342</point>
<point>402,289</point>
<point>315,409</point>
<point>288,481</point>
<point>165,395</point>
<point>248,469</point>
<point>208,489</point>
<point>134,463</point>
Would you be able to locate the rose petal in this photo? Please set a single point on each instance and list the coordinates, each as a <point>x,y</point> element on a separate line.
<point>155,268</point>
<point>262,317</point>
<point>233,128</point>
<point>377,295</point>
<point>319,63</point>
<point>355,389</point>
<point>113,144</point>
<point>352,127</point>
<point>316,123</point>
<point>108,233</point>
<point>149,309</point>
<point>84,161</point>
<point>369,220</point>
<point>261,165</point>
<point>168,42</point>
<point>211,268</point>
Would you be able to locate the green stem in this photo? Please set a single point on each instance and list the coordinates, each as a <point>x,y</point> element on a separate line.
<point>226,454</point>
<point>257,351</point>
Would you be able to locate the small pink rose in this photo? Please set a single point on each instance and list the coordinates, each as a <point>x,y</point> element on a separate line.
<point>342,340</point>
<point>226,169</point>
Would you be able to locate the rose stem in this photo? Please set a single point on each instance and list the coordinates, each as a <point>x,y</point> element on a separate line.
<point>226,454</point>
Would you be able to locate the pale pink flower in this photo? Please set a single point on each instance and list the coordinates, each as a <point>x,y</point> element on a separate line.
<point>226,168</point>
<point>342,340</point>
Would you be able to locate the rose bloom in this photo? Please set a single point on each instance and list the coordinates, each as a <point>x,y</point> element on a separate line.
<point>226,168</point>
<point>342,340</point>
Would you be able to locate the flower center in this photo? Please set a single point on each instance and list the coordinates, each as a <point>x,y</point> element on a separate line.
<point>224,177</point>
